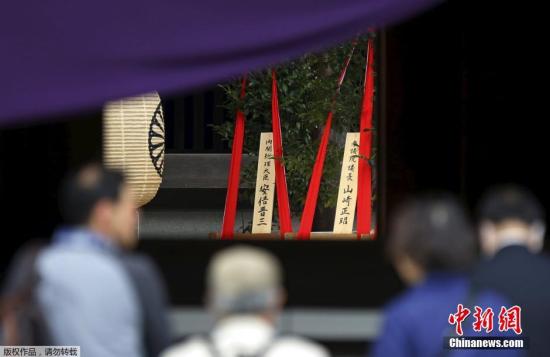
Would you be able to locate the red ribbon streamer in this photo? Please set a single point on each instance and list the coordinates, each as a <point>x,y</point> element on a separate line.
<point>315,181</point>
<point>233,178</point>
<point>285,222</point>
<point>364,184</point>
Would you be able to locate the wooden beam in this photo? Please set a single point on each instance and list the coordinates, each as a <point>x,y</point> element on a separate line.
<point>292,236</point>
<point>197,170</point>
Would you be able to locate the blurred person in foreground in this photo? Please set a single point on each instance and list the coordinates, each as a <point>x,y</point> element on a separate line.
<point>432,245</point>
<point>246,295</point>
<point>511,231</point>
<point>92,292</point>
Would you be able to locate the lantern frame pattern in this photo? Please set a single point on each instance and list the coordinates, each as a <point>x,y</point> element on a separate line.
<point>134,143</point>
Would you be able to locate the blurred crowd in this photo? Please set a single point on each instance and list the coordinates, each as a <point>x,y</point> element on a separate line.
<point>87,287</point>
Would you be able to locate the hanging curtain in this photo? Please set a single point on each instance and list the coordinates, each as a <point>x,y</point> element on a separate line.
<point>59,58</point>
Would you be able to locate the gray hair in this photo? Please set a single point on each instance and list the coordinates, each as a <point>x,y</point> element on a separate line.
<point>243,279</point>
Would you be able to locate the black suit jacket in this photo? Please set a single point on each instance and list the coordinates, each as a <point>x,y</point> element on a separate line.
<point>152,295</point>
<point>524,278</point>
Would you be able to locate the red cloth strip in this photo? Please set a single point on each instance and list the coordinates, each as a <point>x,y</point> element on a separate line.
<point>364,180</point>
<point>285,222</point>
<point>313,190</point>
<point>233,178</point>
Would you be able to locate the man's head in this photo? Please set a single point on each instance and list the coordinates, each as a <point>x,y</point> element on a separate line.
<point>510,215</point>
<point>99,200</point>
<point>245,280</point>
<point>430,233</point>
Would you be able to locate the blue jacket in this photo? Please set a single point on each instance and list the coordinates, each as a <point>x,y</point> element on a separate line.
<point>87,297</point>
<point>416,322</point>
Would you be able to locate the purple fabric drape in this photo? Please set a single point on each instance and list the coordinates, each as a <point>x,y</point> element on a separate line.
<point>60,56</point>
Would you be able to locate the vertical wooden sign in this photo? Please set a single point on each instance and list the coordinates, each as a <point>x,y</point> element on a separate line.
<point>347,192</point>
<point>265,186</point>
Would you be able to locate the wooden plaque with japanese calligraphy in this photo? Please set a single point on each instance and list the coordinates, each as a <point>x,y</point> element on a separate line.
<point>347,192</point>
<point>265,186</point>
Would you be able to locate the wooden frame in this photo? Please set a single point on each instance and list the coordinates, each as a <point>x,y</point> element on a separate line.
<point>292,236</point>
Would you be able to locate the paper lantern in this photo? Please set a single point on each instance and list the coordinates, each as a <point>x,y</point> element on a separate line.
<point>133,142</point>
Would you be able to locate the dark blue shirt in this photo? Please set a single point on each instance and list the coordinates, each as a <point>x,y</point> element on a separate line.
<point>416,322</point>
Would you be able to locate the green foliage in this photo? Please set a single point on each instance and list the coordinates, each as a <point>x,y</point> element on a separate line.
<point>306,88</point>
